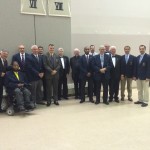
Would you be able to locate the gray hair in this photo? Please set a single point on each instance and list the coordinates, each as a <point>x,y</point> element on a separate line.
<point>34,46</point>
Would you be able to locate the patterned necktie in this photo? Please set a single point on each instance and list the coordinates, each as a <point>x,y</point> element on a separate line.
<point>22,59</point>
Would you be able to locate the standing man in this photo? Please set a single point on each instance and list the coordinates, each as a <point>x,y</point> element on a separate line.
<point>127,72</point>
<point>115,75</point>
<point>52,65</point>
<point>3,69</point>
<point>21,58</point>
<point>75,66</point>
<point>35,73</point>
<point>143,76</point>
<point>63,72</point>
<point>86,75</point>
<point>101,65</point>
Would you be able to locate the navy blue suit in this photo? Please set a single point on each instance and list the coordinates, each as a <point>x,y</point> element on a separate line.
<point>16,57</point>
<point>128,69</point>
<point>102,78</point>
<point>85,68</point>
<point>143,68</point>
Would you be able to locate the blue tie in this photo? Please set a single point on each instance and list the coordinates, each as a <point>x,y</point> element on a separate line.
<point>102,60</point>
<point>126,58</point>
<point>141,57</point>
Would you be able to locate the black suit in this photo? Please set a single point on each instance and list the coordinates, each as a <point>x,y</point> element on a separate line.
<point>63,77</point>
<point>3,69</point>
<point>114,78</point>
<point>74,63</point>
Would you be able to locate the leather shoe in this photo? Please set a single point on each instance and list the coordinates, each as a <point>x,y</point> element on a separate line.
<point>91,101</point>
<point>144,105</point>
<point>138,102</point>
<point>21,108</point>
<point>48,104</point>
<point>117,101</point>
<point>122,99</point>
<point>97,102</point>
<point>130,99</point>
<point>82,101</point>
<point>56,103</point>
<point>106,103</point>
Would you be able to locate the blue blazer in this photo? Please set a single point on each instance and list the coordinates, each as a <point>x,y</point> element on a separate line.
<point>17,58</point>
<point>143,68</point>
<point>34,67</point>
<point>128,69</point>
<point>96,66</point>
<point>84,66</point>
<point>11,82</point>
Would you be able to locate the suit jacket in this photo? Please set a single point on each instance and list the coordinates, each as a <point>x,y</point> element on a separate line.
<point>49,67</point>
<point>34,67</point>
<point>67,66</point>
<point>74,64</point>
<point>3,68</point>
<point>143,68</point>
<point>128,69</point>
<point>84,66</point>
<point>17,58</point>
<point>11,82</point>
<point>96,66</point>
<point>115,71</point>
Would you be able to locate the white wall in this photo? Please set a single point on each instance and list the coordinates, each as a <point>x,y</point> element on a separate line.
<point>117,22</point>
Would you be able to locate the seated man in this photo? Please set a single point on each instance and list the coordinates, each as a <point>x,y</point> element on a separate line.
<point>15,84</point>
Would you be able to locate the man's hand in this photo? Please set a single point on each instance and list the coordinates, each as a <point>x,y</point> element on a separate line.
<point>134,78</point>
<point>88,74</point>
<point>147,79</point>
<point>122,77</point>
<point>2,74</point>
<point>20,85</point>
<point>41,75</point>
<point>53,72</point>
<point>103,70</point>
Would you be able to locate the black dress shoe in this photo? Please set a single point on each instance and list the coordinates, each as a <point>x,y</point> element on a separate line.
<point>40,103</point>
<point>130,99</point>
<point>1,111</point>
<point>97,102</point>
<point>144,105</point>
<point>106,103</point>
<point>91,101</point>
<point>48,104</point>
<point>110,100</point>
<point>65,97</point>
<point>82,101</point>
<point>122,99</point>
<point>117,101</point>
<point>21,108</point>
<point>56,103</point>
<point>138,102</point>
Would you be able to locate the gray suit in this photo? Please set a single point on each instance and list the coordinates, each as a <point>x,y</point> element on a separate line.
<point>51,80</point>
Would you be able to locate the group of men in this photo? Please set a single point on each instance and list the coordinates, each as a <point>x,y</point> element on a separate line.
<point>35,77</point>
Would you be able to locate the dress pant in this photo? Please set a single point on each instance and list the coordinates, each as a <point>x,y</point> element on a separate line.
<point>36,90</point>
<point>90,88</point>
<point>143,90</point>
<point>114,88</point>
<point>129,87</point>
<point>62,84</point>
<point>1,91</point>
<point>44,88</point>
<point>23,97</point>
<point>77,85</point>
<point>103,82</point>
<point>52,88</point>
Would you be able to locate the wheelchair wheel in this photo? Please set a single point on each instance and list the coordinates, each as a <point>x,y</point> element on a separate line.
<point>10,111</point>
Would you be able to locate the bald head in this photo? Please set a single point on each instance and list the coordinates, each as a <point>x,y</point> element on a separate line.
<point>86,50</point>
<point>60,52</point>
<point>76,52</point>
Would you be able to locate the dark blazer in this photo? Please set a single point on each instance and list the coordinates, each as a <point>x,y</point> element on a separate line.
<point>84,66</point>
<point>67,66</point>
<point>96,66</point>
<point>49,67</point>
<point>11,82</point>
<point>3,68</point>
<point>143,68</point>
<point>115,71</point>
<point>74,64</point>
<point>128,69</point>
<point>34,67</point>
<point>17,58</point>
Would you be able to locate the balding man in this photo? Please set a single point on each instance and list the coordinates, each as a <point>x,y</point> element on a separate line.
<point>74,64</point>
<point>86,74</point>
<point>21,58</point>
<point>3,69</point>
<point>63,72</point>
<point>35,74</point>
<point>107,47</point>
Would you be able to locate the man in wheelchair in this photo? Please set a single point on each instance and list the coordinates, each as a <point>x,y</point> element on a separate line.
<point>16,86</point>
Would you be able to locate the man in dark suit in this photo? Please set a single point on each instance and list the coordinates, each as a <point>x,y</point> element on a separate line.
<point>127,72</point>
<point>21,58</point>
<point>63,72</point>
<point>35,71</point>
<point>142,75</point>
<point>52,65</point>
<point>101,65</point>
<point>115,75</point>
<point>74,64</point>
<point>3,69</point>
<point>86,75</point>
<point>16,84</point>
